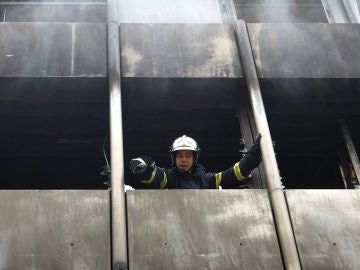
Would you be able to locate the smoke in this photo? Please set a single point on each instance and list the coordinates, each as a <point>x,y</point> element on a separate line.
<point>165,11</point>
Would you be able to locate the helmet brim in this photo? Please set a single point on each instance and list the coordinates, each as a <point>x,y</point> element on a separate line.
<point>183,148</point>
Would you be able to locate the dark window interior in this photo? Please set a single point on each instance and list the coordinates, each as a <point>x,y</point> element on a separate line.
<point>53,132</point>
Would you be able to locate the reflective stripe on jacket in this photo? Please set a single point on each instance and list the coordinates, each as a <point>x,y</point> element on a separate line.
<point>161,178</point>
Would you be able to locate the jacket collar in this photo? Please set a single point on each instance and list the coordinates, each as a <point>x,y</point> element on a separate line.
<point>198,169</point>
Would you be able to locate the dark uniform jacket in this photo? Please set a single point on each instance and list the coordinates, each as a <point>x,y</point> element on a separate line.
<point>197,178</point>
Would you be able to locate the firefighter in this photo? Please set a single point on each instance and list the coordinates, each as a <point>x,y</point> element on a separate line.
<point>186,173</point>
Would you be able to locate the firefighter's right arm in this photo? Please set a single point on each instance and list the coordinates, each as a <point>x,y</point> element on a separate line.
<point>145,169</point>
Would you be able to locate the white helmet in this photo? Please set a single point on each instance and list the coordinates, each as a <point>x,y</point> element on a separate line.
<point>185,143</point>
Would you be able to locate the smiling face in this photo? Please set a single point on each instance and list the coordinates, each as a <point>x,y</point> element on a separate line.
<point>184,159</point>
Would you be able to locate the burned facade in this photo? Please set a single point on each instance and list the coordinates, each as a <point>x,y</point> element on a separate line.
<point>182,72</point>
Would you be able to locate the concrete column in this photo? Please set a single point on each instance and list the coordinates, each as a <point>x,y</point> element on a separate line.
<point>118,217</point>
<point>277,197</point>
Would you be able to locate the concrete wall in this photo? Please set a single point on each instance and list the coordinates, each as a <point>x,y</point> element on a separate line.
<point>233,229</point>
<point>53,11</point>
<point>280,50</point>
<point>326,227</point>
<point>201,229</point>
<point>176,229</point>
<point>53,50</point>
<point>54,229</point>
<point>280,11</point>
<point>180,50</point>
<point>306,50</point>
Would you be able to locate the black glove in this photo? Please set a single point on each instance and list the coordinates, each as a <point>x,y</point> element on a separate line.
<point>106,172</point>
<point>141,165</point>
<point>253,156</point>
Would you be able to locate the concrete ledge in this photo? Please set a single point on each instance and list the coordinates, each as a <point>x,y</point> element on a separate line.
<point>54,229</point>
<point>326,227</point>
<point>201,229</point>
<point>306,50</point>
<point>293,51</point>
<point>281,11</point>
<point>53,50</point>
<point>179,50</point>
<point>53,12</point>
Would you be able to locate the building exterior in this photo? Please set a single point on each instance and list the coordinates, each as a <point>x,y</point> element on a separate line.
<point>183,69</point>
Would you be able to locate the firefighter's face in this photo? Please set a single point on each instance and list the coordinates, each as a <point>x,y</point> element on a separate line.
<point>184,159</point>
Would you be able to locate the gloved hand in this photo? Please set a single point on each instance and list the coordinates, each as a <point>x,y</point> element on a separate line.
<point>141,164</point>
<point>253,156</point>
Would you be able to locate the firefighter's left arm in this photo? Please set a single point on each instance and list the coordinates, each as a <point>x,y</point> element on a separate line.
<point>242,169</point>
<point>232,176</point>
